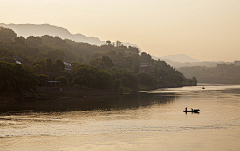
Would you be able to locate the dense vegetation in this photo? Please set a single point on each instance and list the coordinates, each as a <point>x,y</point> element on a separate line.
<point>15,77</point>
<point>111,66</point>
<point>222,74</point>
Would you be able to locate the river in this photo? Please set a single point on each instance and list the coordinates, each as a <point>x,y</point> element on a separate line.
<point>152,120</point>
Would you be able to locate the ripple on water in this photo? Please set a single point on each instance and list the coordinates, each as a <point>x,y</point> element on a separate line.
<point>151,121</point>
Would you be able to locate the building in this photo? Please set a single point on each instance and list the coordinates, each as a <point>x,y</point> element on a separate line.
<point>68,66</point>
<point>237,63</point>
<point>21,61</point>
<point>146,68</point>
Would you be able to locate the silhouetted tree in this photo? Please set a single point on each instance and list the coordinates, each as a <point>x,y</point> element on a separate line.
<point>108,42</point>
<point>194,81</point>
<point>7,34</point>
<point>118,43</point>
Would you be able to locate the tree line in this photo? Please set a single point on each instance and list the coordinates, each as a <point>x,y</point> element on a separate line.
<point>110,66</point>
<point>221,74</point>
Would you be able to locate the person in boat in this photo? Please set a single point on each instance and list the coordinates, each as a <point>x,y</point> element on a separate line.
<point>192,109</point>
<point>186,109</point>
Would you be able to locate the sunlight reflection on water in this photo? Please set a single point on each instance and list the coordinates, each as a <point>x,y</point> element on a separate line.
<point>141,121</point>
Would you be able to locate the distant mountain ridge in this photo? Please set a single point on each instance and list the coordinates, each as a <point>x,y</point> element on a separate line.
<point>182,58</point>
<point>26,30</point>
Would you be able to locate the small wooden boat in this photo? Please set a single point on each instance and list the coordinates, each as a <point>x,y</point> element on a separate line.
<point>203,88</point>
<point>195,110</point>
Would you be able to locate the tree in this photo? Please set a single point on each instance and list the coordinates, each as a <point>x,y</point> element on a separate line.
<point>7,77</point>
<point>63,80</point>
<point>7,34</point>
<point>8,59</point>
<point>129,79</point>
<point>26,77</point>
<point>96,54</point>
<point>95,62</point>
<point>56,54</point>
<point>59,64</point>
<point>133,49</point>
<point>80,60</point>
<point>111,53</point>
<point>81,80</point>
<point>120,54</point>
<point>33,41</point>
<point>59,42</point>
<point>146,79</point>
<point>108,42</point>
<point>15,77</point>
<point>118,43</point>
<point>104,80</point>
<point>37,68</point>
<point>106,62</point>
<point>41,62</point>
<point>91,76</point>
<point>194,81</point>
<point>29,51</point>
<point>48,65</point>
<point>146,57</point>
<point>74,66</point>
<point>19,40</point>
<point>5,52</point>
<point>43,79</point>
<point>117,84</point>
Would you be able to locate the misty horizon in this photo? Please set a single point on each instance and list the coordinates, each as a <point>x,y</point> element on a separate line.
<point>53,30</point>
<point>204,30</point>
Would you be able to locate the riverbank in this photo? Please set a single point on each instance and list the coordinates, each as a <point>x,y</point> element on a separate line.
<point>47,93</point>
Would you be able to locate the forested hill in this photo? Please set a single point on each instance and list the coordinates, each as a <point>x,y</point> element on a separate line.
<point>109,66</point>
<point>221,74</point>
<point>26,30</point>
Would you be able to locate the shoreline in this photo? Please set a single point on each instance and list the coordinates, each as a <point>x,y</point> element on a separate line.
<point>49,93</point>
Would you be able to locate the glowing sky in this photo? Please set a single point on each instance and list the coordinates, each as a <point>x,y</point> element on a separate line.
<point>208,30</point>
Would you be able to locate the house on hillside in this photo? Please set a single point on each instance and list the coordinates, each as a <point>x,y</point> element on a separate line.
<point>237,63</point>
<point>21,61</point>
<point>146,68</point>
<point>68,66</point>
<point>18,59</point>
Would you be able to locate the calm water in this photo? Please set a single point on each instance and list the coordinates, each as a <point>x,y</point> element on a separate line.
<point>141,121</point>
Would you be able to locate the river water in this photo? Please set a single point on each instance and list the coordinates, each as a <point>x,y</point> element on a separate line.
<point>152,120</point>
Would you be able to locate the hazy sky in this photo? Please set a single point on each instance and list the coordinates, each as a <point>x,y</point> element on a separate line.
<point>208,30</point>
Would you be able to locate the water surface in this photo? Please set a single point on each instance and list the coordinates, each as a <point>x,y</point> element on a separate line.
<point>140,121</point>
